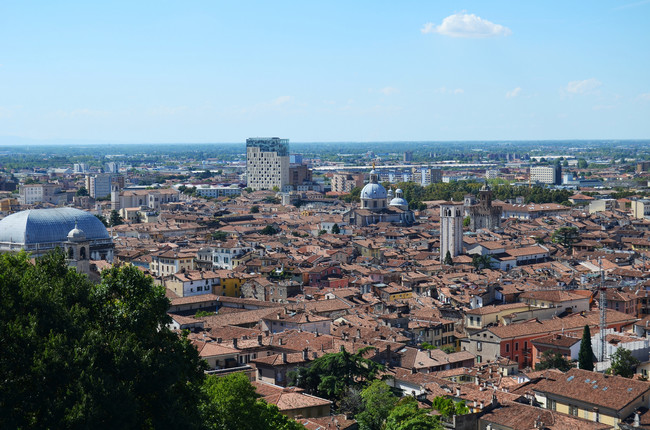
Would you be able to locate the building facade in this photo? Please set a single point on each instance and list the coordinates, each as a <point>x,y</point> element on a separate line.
<point>267,163</point>
<point>546,174</point>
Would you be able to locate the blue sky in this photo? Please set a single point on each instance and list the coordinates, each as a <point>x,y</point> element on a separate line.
<point>213,71</point>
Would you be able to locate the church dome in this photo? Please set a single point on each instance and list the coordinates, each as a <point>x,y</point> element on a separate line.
<point>398,201</point>
<point>76,234</point>
<point>373,191</point>
<point>47,226</point>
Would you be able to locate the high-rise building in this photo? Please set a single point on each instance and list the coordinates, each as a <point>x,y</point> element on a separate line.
<point>99,186</point>
<point>451,229</point>
<point>546,174</point>
<point>112,167</point>
<point>267,162</point>
<point>408,156</point>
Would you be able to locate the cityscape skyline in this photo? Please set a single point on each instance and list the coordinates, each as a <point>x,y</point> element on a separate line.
<point>218,73</point>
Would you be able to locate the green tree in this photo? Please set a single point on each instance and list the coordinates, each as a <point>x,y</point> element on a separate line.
<point>233,404</point>
<point>448,260</point>
<point>623,363</point>
<point>582,163</point>
<point>553,360</point>
<point>566,236</point>
<point>102,219</point>
<point>269,230</point>
<point>219,235</point>
<point>321,232</point>
<point>407,416</point>
<point>336,229</point>
<point>330,375</point>
<point>255,209</point>
<point>378,401</point>
<point>448,408</point>
<point>80,355</point>
<point>81,192</point>
<point>466,221</point>
<point>586,353</point>
<point>115,219</point>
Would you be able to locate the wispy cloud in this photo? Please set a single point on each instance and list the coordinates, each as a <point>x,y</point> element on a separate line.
<point>445,90</point>
<point>631,5</point>
<point>513,93</point>
<point>644,97</point>
<point>585,86</point>
<point>281,100</point>
<point>466,25</point>
<point>389,91</point>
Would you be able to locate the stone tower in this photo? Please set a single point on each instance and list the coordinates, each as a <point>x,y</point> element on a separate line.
<point>484,215</point>
<point>77,250</point>
<point>451,229</point>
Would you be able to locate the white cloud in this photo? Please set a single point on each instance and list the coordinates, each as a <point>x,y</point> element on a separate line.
<point>513,93</point>
<point>466,25</point>
<point>389,91</point>
<point>282,100</point>
<point>645,97</point>
<point>583,87</point>
<point>445,90</point>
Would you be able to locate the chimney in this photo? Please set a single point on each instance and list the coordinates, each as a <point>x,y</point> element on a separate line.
<point>278,315</point>
<point>413,371</point>
<point>259,339</point>
<point>457,391</point>
<point>284,357</point>
<point>475,403</point>
<point>219,340</point>
<point>305,354</point>
<point>358,333</point>
<point>480,405</point>
<point>234,343</point>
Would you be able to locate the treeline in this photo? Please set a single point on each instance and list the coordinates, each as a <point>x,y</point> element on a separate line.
<point>415,194</point>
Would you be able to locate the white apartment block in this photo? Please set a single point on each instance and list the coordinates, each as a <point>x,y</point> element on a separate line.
<point>545,174</point>
<point>38,193</point>
<point>267,163</point>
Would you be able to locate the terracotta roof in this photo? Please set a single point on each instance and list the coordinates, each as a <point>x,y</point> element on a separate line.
<point>609,392</point>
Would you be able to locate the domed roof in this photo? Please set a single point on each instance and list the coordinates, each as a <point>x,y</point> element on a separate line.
<point>373,191</point>
<point>76,234</point>
<point>398,191</point>
<point>398,201</point>
<point>49,226</point>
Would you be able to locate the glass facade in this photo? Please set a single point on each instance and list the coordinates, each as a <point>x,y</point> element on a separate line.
<point>269,144</point>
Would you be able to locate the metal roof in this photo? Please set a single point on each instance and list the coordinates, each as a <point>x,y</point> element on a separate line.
<point>49,225</point>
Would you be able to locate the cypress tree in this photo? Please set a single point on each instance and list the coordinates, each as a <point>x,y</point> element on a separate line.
<point>448,261</point>
<point>586,354</point>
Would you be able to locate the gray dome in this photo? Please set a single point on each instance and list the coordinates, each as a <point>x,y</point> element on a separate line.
<point>398,201</point>
<point>49,226</point>
<point>76,235</point>
<point>373,191</point>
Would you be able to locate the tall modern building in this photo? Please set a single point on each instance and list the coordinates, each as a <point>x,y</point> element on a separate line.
<point>546,174</point>
<point>451,229</point>
<point>267,162</point>
<point>99,185</point>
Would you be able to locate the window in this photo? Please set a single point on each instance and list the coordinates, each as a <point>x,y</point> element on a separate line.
<point>479,359</point>
<point>551,404</point>
<point>516,346</point>
<point>507,347</point>
<point>479,346</point>
<point>573,410</point>
<point>525,345</point>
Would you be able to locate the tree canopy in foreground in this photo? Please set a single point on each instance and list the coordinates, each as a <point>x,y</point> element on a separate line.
<point>82,355</point>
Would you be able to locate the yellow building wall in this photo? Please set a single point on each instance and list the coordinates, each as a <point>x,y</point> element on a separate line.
<point>230,286</point>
